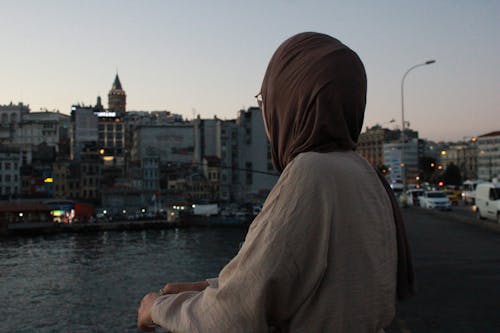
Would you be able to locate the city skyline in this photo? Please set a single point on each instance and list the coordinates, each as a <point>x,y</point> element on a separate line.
<point>192,58</point>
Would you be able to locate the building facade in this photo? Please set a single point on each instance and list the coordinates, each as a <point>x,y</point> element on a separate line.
<point>10,177</point>
<point>117,98</point>
<point>170,143</point>
<point>488,158</point>
<point>393,161</point>
<point>256,174</point>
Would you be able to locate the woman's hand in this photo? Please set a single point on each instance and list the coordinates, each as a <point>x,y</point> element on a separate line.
<point>175,288</point>
<point>144,321</point>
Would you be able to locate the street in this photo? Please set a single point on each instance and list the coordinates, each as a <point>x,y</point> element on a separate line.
<point>457,264</point>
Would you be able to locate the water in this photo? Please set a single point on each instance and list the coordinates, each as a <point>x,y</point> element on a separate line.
<point>94,282</point>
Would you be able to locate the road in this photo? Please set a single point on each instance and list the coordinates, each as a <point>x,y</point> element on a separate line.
<point>457,264</point>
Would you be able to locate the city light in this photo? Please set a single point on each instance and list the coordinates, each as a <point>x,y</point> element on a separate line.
<point>48,180</point>
<point>443,152</point>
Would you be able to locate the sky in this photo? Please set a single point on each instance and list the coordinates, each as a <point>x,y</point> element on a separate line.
<point>209,57</point>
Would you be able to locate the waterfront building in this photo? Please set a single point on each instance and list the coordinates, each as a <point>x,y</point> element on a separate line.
<point>122,202</point>
<point>211,167</point>
<point>111,138</point>
<point>90,175</point>
<point>207,138</point>
<point>13,114</point>
<point>84,129</point>
<point>170,143</point>
<point>44,127</point>
<point>61,172</point>
<point>150,166</point>
<point>10,176</point>
<point>488,158</point>
<point>229,159</point>
<point>37,177</point>
<point>256,172</point>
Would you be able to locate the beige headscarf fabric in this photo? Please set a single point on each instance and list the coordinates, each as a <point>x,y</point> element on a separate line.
<point>314,97</point>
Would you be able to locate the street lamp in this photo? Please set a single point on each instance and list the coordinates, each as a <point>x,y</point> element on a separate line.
<point>403,166</point>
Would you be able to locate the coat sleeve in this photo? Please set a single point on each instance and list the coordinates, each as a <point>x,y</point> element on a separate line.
<point>263,286</point>
<point>252,291</point>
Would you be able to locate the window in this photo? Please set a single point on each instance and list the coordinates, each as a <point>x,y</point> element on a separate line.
<point>7,165</point>
<point>494,193</point>
<point>249,179</point>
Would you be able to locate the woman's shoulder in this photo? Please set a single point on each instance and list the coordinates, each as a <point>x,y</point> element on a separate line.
<point>315,164</point>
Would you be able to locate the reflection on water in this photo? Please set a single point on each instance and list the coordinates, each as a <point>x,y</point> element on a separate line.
<point>94,282</point>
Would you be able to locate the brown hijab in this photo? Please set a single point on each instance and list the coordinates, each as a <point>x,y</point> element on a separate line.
<point>314,97</point>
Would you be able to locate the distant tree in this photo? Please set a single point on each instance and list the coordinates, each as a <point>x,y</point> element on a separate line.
<point>452,175</point>
<point>427,167</point>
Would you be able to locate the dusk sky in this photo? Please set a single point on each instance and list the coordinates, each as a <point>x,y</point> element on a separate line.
<point>209,57</point>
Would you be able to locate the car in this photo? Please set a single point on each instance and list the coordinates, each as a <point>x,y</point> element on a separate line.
<point>435,200</point>
<point>488,201</point>
<point>413,195</point>
<point>453,195</point>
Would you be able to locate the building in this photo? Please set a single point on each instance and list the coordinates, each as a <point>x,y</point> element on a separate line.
<point>10,176</point>
<point>61,173</point>
<point>211,167</point>
<point>207,138</point>
<point>464,156</point>
<point>150,166</point>
<point>229,159</point>
<point>371,143</point>
<point>117,98</point>
<point>488,158</point>
<point>84,129</point>
<point>45,127</point>
<point>37,179</point>
<point>111,138</point>
<point>256,174</point>
<point>90,175</point>
<point>171,143</point>
<point>393,161</point>
<point>13,114</point>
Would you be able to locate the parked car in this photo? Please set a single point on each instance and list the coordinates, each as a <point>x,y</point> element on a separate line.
<point>413,195</point>
<point>435,200</point>
<point>488,201</point>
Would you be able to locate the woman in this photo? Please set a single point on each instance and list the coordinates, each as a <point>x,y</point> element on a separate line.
<point>328,251</point>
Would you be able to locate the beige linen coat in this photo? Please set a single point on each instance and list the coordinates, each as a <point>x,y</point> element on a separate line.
<point>320,257</point>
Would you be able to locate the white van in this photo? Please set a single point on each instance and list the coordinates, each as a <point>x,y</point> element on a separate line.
<point>469,193</point>
<point>488,201</point>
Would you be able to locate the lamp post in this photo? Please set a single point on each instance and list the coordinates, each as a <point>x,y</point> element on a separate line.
<point>403,166</point>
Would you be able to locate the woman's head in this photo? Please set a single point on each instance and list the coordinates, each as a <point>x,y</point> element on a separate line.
<point>314,96</point>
